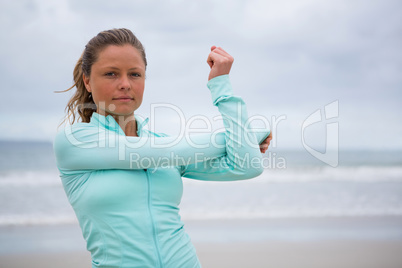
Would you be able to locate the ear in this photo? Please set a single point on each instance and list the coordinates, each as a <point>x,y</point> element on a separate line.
<point>86,83</point>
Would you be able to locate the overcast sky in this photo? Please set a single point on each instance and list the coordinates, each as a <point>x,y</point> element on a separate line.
<point>291,59</point>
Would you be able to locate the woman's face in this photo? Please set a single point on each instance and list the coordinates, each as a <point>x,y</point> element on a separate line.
<point>117,81</point>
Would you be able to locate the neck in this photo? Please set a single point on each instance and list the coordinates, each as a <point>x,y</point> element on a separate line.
<point>127,124</point>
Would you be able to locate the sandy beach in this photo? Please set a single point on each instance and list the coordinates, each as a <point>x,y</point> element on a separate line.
<point>346,254</point>
<point>286,243</point>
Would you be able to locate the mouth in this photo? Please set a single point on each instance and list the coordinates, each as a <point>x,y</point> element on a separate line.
<point>123,99</point>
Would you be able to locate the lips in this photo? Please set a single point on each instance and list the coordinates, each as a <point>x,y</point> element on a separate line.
<point>124,98</point>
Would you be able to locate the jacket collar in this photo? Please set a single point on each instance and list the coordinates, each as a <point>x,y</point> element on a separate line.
<point>109,123</point>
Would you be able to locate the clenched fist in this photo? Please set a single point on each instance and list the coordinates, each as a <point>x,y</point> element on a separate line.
<point>220,62</point>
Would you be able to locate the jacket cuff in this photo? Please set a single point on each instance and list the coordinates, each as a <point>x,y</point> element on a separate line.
<point>220,87</point>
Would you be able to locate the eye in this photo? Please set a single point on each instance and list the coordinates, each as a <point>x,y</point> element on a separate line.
<point>110,74</point>
<point>136,74</point>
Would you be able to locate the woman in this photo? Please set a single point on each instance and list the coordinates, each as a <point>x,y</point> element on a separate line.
<point>126,200</point>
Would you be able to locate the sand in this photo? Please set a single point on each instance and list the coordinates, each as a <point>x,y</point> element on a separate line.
<point>342,245</point>
<point>340,254</point>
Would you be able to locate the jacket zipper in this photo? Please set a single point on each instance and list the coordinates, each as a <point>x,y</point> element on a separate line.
<point>152,221</point>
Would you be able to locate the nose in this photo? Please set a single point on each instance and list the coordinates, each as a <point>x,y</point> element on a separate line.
<point>124,83</point>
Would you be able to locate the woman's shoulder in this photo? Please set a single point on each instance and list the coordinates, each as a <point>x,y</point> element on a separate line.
<point>76,127</point>
<point>71,134</point>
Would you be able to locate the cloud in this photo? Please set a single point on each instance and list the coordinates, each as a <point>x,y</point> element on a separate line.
<point>291,57</point>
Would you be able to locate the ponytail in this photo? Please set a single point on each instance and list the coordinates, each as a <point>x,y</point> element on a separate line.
<point>81,101</point>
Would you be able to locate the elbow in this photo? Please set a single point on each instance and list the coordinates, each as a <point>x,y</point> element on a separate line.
<point>246,166</point>
<point>247,174</point>
<point>255,165</point>
<point>251,170</point>
<point>257,171</point>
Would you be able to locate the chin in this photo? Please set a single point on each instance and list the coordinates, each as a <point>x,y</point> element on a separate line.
<point>126,111</point>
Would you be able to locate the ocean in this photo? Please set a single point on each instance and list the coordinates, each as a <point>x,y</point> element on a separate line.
<point>294,185</point>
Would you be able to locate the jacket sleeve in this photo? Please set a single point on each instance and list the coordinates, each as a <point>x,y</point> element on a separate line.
<point>243,158</point>
<point>83,147</point>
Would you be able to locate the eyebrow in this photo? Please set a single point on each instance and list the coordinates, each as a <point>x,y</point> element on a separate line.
<point>115,68</point>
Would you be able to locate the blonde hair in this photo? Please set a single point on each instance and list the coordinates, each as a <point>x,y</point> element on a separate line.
<point>81,102</point>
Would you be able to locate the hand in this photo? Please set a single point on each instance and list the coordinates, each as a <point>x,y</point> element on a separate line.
<point>219,61</point>
<point>264,145</point>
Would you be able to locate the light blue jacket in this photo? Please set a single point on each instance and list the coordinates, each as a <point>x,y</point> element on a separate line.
<point>126,191</point>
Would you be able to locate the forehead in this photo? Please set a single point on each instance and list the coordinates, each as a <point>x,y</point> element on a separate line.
<point>120,55</point>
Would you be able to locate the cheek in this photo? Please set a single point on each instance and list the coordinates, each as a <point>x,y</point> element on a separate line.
<point>139,91</point>
<point>101,91</point>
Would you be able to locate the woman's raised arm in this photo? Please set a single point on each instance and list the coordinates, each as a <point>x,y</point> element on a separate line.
<point>243,157</point>
<point>84,147</point>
